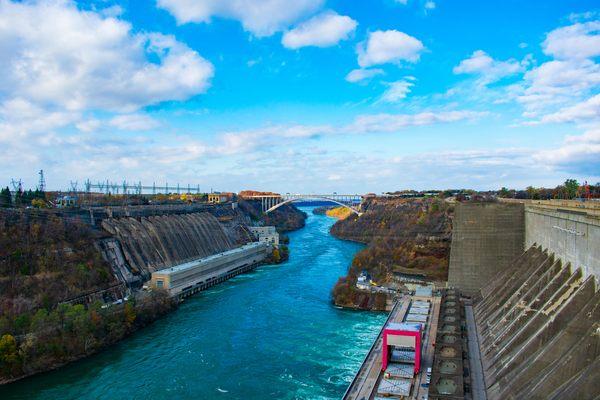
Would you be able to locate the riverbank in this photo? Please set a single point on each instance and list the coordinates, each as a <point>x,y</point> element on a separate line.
<point>60,298</point>
<point>73,332</point>
<point>270,333</point>
<point>404,237</point>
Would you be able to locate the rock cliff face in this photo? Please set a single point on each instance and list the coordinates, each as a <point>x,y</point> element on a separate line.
<point>286,218</point>
<point>151,243</point>
<point>403,236</point>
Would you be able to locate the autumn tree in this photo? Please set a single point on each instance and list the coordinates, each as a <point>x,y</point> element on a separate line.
<point>10,361</point>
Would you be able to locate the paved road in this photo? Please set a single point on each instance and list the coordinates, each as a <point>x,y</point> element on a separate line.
<point>477,382</point>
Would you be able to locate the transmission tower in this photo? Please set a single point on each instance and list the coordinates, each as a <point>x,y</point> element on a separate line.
<point>17,185</point>
<point>17,189</point>
<point>74,186</point>
<point>42,184</point>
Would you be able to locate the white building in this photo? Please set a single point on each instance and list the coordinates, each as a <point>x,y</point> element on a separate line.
<point>267,234</point>
<point>362,282</point>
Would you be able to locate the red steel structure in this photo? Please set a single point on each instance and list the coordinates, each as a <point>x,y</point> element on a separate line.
<point>393,331</point>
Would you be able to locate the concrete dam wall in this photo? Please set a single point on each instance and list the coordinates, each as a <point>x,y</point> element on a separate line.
<point>143,245</point>
<point>569,229</point>
<point>486,238</point>
<point>538,326</point>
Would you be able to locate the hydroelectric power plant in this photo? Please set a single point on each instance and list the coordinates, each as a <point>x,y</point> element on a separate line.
<point>515,320</point>
<point>519,318</point>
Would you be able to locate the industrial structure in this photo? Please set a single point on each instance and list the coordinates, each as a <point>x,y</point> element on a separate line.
<point>136,188</point>
<point>398,363</point>
<point>267,234</point>
<point>219,197</point>
<point>519,319</point>
<point>190,277</point>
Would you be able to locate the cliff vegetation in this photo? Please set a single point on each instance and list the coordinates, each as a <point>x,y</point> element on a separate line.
<point>45,262</point>
<point>403,236</point>
<point>286,218</point>
<point>338,212</point>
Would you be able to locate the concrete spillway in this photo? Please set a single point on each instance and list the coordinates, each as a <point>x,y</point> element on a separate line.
<point>539,331</point>
<point>152,243</point>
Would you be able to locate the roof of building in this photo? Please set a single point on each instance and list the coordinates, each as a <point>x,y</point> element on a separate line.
<point>194,263</point>
<point>416,318</point>
<point>394,387</point>
<point>404,326</point>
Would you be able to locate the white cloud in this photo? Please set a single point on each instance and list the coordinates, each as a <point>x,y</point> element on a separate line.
<point>323,30</point>
<point>382,123</point>
<point>252,63</point>
<point>52,53</point>
<point>19,117</point>
<point>359,75</point>
<point>89,125</point>
<point>429,5</point>
<point>112,11</point>
<point>488,69</point>
<point>578,154</point>
<point>247,141</point>
<point>260,17</point>
<point>397,91</point>
<point>391,46</point>
<point>134,122</point>
<point>563,85</point>
<point>558,82</point>
<point>585,110</point>
<point>576,41</point>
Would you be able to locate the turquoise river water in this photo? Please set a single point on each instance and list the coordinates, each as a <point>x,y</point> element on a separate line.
<point>272,333</point>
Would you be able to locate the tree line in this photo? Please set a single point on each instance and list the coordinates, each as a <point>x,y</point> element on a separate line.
<point>570,189</point>
<point>22,198</point>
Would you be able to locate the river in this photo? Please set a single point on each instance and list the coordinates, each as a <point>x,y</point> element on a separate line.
<point>271,333</point>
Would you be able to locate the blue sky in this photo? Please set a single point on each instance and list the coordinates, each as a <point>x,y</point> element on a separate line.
<point>303,96</point>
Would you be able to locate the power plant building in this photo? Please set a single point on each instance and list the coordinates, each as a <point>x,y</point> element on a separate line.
<point>267,234</point>
<point>196,275</point>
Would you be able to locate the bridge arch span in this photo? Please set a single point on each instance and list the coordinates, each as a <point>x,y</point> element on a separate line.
<point>289,200</point>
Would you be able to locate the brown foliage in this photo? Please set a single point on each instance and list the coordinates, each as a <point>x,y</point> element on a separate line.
<point>403,235</point>
<point>45,259</point>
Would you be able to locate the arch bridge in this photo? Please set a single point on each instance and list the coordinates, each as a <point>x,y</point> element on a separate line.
<point>272,202</point>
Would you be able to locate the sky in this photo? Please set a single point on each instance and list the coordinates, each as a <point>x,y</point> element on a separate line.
<point>309,96</point>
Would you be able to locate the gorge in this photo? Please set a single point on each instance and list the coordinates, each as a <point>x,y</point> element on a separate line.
<point>270,331</point>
